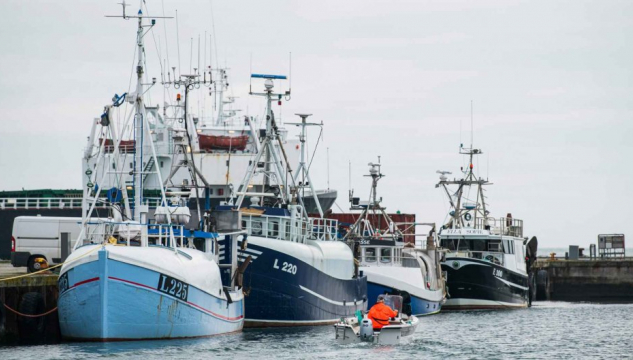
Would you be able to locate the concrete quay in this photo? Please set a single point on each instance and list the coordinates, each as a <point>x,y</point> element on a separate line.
<point>22,300</point>
<point>595,280</point>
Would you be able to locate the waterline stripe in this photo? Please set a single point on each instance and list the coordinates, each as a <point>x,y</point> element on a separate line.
<point>512,284</point>
<point>339,303</point>
<point>84,282</point>
<point>222,317</point>
<point>253,251</point>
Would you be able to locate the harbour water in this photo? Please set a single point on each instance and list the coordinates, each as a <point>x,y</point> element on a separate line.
<point>554,330</point>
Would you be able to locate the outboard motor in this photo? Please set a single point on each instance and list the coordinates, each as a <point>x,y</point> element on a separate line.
<point>366,330</point>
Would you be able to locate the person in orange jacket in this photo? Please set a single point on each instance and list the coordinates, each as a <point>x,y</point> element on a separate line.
<point>379,314</point>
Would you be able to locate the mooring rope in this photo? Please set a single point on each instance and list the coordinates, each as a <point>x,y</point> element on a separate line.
<point>48,268</point>
<point>30,316</point>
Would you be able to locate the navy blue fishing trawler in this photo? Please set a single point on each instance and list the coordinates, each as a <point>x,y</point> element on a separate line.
<point>298,272</point>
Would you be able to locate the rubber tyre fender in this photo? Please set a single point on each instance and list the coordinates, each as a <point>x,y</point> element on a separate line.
<point>3,318</point>
<point>32,330</point>
<point>531,288</point>
<point>542,280</point>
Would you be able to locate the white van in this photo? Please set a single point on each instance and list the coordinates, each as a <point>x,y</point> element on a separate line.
<point>35,237</point>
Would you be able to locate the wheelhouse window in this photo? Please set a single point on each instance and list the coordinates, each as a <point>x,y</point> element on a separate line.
<point>494,246</point>
<point>508,246</point>
<point>385,255</point>
<point>450,244</point>
<point>370,254</point>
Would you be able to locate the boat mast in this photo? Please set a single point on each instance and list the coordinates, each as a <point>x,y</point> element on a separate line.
<point>219,121</point>
<point>137,181</point>
<point>470,179</point>
<point>303,169</point>
<point>140,121</point>
<point>373,206</point>
<point>268,148</point>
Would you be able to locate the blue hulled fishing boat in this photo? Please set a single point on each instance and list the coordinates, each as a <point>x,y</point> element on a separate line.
<point>133,277</point>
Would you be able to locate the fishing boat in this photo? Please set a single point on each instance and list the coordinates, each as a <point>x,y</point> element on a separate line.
<point>359,328</point>
<point>488,260</point>
<point>131,277</point>
<point>299,273</point>
<point>222,165</point>
<point>391,258</point>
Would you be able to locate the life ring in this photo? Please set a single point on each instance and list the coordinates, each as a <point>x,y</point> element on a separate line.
<point>467,217</point>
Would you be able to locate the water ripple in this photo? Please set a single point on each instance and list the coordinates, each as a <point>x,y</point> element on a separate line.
<point>548,330</point>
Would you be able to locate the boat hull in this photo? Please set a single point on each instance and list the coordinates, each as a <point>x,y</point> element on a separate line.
<point>284,290</point>
<point>110,300</point>
<point>420,306</point>
<point>476,284</point>
<point>326,198</point>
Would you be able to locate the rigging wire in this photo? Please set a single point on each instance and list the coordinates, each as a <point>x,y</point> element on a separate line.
<point>315,147</point>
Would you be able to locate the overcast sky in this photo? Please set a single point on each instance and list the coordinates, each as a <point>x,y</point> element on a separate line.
<point>551,84</point>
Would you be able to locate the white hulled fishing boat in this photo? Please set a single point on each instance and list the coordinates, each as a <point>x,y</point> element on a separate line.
<point>393,266</point>
<point>131,278</point>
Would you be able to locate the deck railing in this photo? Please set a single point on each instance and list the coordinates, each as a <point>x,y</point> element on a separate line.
<point>58,203</point>
<point>502,226</point>
<point>291,229</point>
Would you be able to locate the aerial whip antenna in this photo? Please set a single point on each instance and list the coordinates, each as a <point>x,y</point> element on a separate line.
<point>471,124</point>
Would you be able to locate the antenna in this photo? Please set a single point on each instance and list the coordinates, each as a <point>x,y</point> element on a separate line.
<point>328,167</point>
<point>471,124</point>
<point>289,75</point>
<point>350,175</point>
<point>123,4</point>
<point>350,191</point>
<point>178,46</point>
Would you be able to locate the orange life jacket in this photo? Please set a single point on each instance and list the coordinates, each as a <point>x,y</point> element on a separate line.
<point>379,314</point>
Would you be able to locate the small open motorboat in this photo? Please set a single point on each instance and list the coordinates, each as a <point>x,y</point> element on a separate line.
<point>359,328</point>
